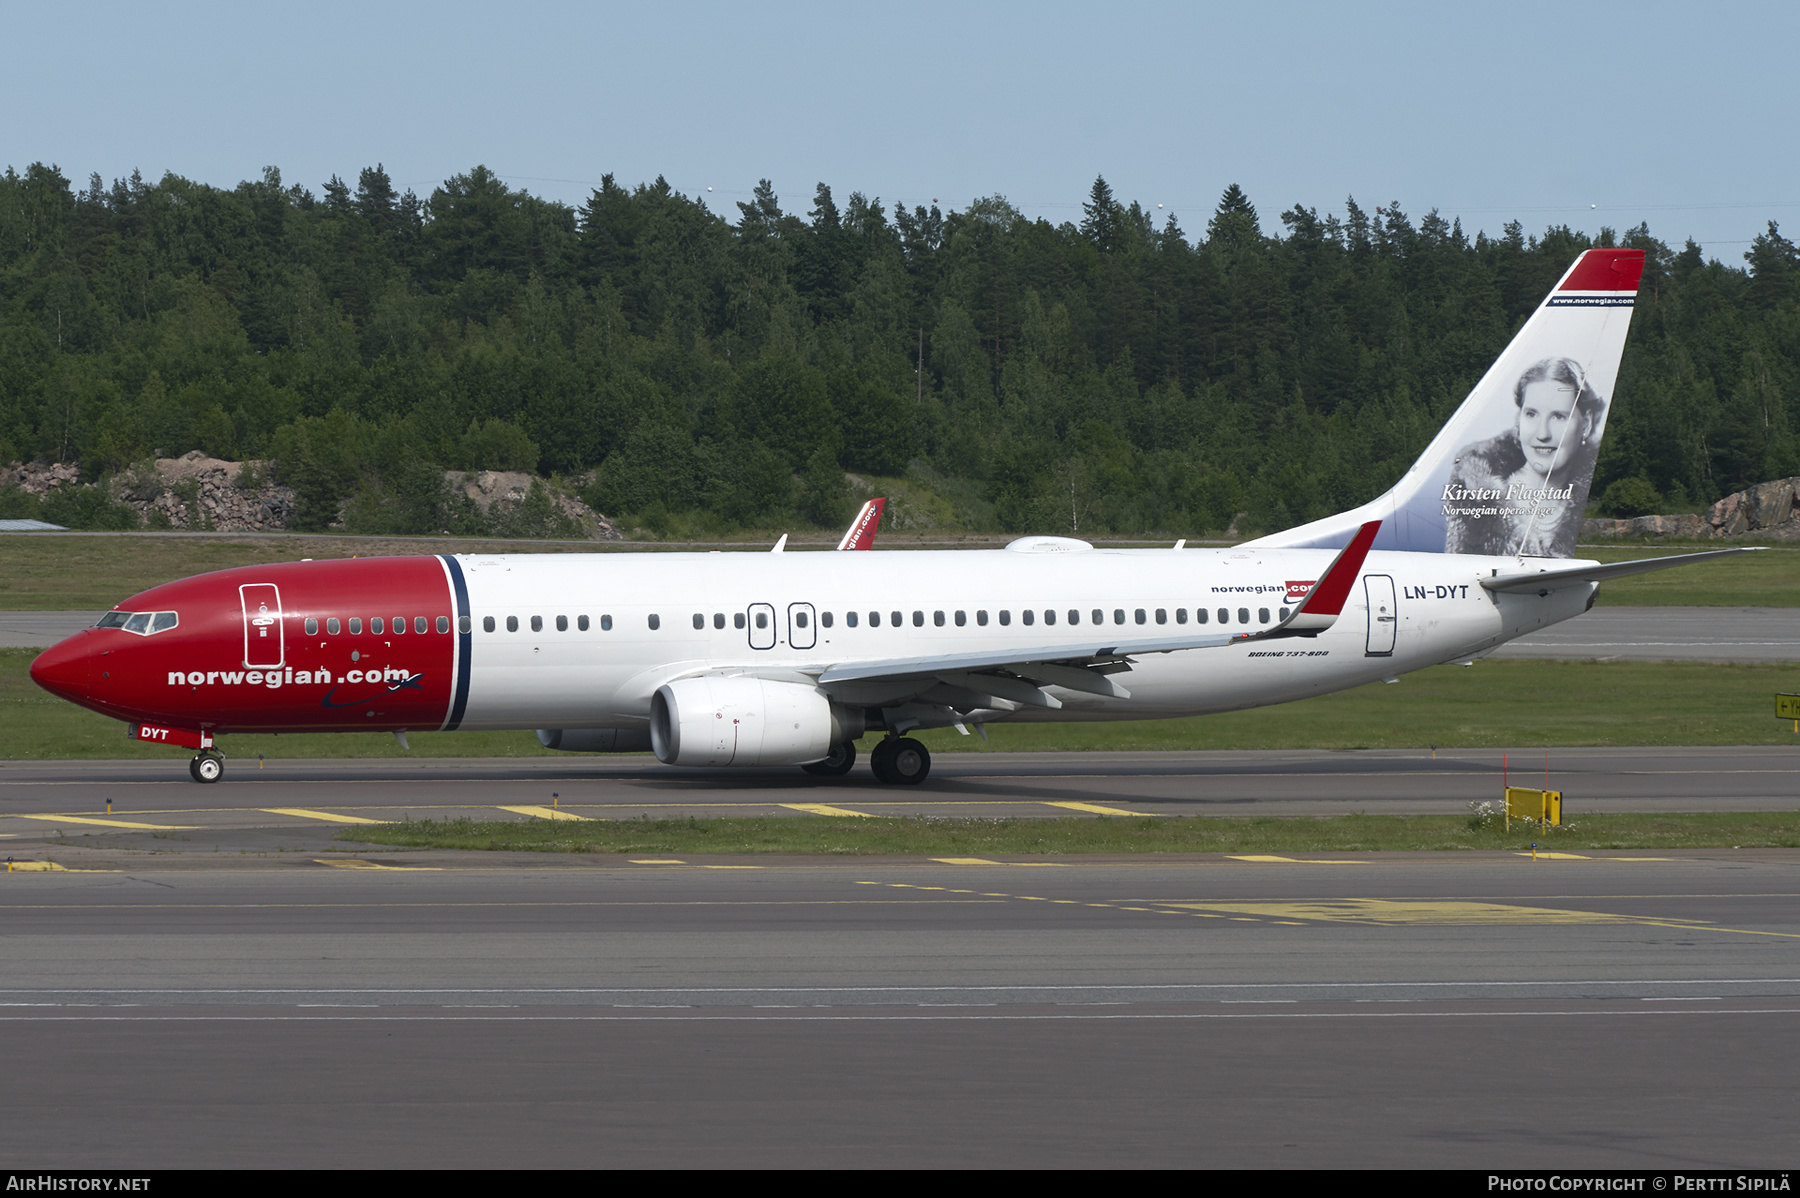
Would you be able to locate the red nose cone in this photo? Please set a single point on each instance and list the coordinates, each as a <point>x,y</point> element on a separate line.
<point>63,669</point>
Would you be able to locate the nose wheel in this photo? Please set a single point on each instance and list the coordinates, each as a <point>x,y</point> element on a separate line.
<point>207,767</point>
<point>900,761</point>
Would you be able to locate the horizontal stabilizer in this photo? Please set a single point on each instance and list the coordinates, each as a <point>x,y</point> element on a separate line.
<point>1551,580</point>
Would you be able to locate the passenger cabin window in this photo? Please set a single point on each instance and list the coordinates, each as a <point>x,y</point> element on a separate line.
<point>981,617</point>
<point>1243,615</point>
<point>894,619</point>
<point>355,625</point>
<point>1005,617</point>
<point>419,625</point>
<point>1099,616</point>
<point>1029,616</point>
<point>1049,616</point>
<point>1118,615</point>
<point>1162,615</point>
<point>581,622</point>
<point>312,625</point>
<point>1262,615</point>
<point>762,620</point>
<point>1200,615</point>
<point>1074,616</point>
<point>655,622</point>
<point>1224,616</point>
<point>699,622</point>
<point>718,619</point>
<point>850,618</point>
<point>737,619</point>
<point>1181,615</point>
<point>1284,613</point>
<point>537,623</point>
<point>937,619</point>
<point>825,618</point>
<point>800,619</point>
<point>1138,615</point>
<point>918,619</point>
<point>605,623</point>
<point>512,623</point>
<point>443,624</point>
<point>462,623</point>
<point>962,618</point>
<point>332,627</point>
<point>487,623</point>
<point>375,625</point>
<point>399,625</point>
<point>562,623</point>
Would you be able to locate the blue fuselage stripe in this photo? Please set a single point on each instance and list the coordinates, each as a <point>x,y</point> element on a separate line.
<point>464,643</point>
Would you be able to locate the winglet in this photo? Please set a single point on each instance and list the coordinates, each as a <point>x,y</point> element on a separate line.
<point>861,533</point>
<point>1325,601</point>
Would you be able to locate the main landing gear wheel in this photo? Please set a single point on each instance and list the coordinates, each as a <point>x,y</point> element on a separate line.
<point>902,761</point>
<point>836,764</point>
<point>207,767</point>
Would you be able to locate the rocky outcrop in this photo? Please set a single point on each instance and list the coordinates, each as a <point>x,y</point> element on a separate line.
<point>197,492</point>
<point>1765,512</point>
<point>499,492</point>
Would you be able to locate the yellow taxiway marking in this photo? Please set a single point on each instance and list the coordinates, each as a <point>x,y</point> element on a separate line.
<point>49,867</point>
<point>354,863</point>
<point>1009,864</point>
<point>107,823</point>
<point>823,809</point>
<point>1392,911</point>
<point>551,813</point>
<point>1097,809</point>
<point>1541,855</point>
<point>328,817</point>
<point>1290,860</point>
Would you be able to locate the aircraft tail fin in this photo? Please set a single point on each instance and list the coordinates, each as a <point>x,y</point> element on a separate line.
<point>1508,474</point>
<point>861,533</point>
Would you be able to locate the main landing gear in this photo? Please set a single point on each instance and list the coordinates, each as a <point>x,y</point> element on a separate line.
<point>842,757</point>
<point>207,767</point>
<point>900,761</point>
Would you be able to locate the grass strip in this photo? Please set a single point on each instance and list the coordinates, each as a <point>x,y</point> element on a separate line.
<point>1503,704</point>
<point>931,836</point>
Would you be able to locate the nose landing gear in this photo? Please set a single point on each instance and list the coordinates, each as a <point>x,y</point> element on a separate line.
<point>207,767</point>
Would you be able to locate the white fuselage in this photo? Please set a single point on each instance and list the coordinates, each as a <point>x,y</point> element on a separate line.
<point>604,676</point>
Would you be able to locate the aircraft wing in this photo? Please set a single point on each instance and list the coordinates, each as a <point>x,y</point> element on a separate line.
<point>1551,580</point>
<point>1019,673</point>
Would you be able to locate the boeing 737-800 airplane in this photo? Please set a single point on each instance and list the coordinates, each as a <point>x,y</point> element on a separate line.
<point>788,659</point>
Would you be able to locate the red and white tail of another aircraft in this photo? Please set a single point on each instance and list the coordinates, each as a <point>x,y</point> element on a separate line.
<point>789,659</point>
<point>861,533</point>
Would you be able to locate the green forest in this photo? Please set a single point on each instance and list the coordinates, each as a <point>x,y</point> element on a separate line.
<point>697,371</point>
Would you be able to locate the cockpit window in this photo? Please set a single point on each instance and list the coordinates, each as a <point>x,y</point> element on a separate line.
<point>144,623</point>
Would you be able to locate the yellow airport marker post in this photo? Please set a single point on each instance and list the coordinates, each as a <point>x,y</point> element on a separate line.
<point>1787,707</point>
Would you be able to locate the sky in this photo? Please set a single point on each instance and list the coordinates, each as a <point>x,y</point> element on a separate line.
<point>1589,114</point>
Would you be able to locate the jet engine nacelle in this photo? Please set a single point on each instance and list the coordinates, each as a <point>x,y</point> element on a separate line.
<point>735,720</point>
<point>594,740</point>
